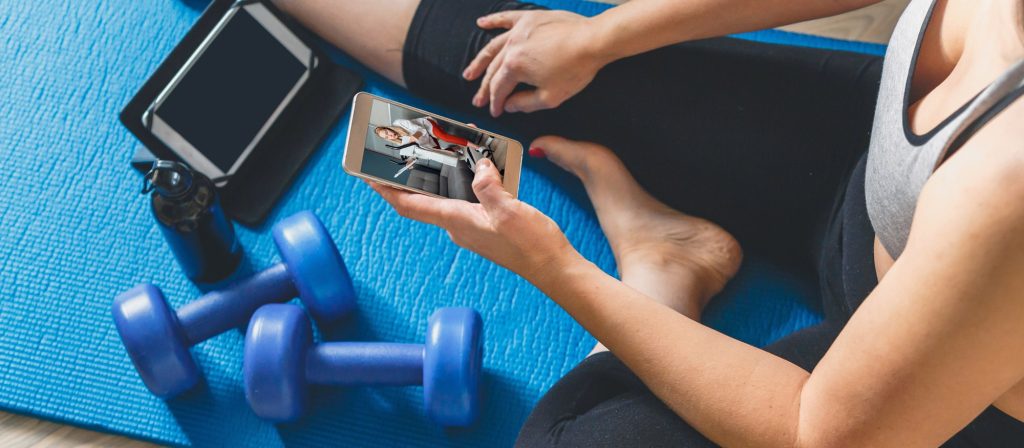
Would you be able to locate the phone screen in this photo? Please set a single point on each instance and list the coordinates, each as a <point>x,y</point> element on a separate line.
<point>427,153</point>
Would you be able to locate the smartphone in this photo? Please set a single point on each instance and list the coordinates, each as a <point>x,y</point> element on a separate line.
<point>415,150</point>
<point>220,104</point>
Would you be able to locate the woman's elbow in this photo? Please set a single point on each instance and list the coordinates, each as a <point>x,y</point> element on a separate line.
<point>827,430</point>
<point>822,423</point>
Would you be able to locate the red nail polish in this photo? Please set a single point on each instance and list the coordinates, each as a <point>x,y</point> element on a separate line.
<point>537,152</point>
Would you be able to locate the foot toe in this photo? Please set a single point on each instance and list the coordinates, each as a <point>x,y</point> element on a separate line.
<point>577,157</point>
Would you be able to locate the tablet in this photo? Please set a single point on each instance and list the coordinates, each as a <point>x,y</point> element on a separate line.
<point>226,96</point>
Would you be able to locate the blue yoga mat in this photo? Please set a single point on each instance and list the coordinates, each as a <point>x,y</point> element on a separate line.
<point>76,232</point>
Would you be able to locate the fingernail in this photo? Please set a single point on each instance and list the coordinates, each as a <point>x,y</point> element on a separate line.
<point>476,102</point>
<point>465,74</point>
<point>481,19</point>
<point>485,163</point>
<point>537,152</point>
<point>510,109</point>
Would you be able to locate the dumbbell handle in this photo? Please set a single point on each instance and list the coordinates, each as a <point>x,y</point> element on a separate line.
<point>365,364</point>
<point>218,311</point>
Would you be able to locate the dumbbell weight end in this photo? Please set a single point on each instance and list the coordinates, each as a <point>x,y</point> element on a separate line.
<point>281,361</point>
<point>157,338</point>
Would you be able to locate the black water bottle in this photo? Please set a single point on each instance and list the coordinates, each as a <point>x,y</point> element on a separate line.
<point>189,214</point>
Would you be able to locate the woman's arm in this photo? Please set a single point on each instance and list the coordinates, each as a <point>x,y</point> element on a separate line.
<point>559,52</point>
<point>638,26</point>
<point>932,346</point>
<point>935,344</point>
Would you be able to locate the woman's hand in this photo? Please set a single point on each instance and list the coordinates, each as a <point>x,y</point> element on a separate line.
<point>545,49</point>
<point>500,228</point>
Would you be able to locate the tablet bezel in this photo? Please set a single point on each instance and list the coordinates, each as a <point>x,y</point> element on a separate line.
<point>178,143</point>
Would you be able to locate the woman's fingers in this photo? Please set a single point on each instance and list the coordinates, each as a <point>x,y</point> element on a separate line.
<point>529,101</point>
<point>488,187</point>
<point>477,66</point>
<point>483,95</point>
<point>504,19</point>
<point>502,84</point>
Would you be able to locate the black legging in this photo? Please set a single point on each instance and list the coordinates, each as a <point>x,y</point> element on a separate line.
<point>767,141</point>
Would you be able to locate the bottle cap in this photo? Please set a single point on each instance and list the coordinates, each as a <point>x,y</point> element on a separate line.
<point>168,178</point>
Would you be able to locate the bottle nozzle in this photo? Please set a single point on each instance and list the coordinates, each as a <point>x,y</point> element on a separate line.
<point>168,178</point>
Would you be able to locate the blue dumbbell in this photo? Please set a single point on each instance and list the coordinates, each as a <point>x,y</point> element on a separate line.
<point>158,338</point>
<point>281,360</point>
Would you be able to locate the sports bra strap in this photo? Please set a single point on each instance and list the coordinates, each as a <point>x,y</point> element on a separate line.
<point>982,117</point>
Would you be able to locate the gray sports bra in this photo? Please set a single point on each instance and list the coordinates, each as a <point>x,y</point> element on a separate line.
<point>899,161</point>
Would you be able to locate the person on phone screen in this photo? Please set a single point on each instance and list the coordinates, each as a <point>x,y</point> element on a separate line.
<point>425,132</point>
<point>422,140</point>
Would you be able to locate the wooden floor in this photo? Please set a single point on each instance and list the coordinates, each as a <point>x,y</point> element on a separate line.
<point>871,24</point>
<point>17,431</point>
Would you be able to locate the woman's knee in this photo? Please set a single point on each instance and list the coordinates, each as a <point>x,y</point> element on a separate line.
<point>602,403</point>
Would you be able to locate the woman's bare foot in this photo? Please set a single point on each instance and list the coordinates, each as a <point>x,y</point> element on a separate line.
<point>679,260</point>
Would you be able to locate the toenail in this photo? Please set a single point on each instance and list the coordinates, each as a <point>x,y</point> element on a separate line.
<point>537,152</point>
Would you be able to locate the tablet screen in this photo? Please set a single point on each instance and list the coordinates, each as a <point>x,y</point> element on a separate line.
<point>232,89</point>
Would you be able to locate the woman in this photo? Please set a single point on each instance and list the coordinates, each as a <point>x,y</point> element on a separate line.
<point>423,138</point>
<point>425,132</point>
<point>419,145</point>
<point>911,209</point>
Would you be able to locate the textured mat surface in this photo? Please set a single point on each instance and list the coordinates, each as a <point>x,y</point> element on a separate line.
<point>74,232</point>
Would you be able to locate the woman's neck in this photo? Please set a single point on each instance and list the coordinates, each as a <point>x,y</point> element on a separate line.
<point>995,39</point>
<point>989,44</point>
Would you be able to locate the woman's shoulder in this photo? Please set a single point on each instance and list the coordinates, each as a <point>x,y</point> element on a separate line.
<point>985,176</point>
<point>997,149</point>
